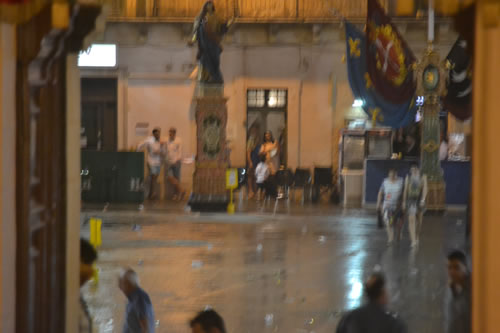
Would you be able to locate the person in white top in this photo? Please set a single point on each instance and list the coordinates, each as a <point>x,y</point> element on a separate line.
<point>155,154</point>
<point>443,149</point>
<point>174,160</point>
<point>262,173</point>
<point>415,193</point>
<point>389,199</point>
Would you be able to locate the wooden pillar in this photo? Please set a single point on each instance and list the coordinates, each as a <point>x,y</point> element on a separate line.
<point>7,178</point>
<point>486,176</point>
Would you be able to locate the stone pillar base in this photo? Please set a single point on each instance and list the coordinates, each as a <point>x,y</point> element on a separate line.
<point>209,179</point>
<point>436,196</point>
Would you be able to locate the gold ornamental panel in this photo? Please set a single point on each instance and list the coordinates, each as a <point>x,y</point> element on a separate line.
<point>267,9</point>
<point>243,10</point>
<point>191,8</point>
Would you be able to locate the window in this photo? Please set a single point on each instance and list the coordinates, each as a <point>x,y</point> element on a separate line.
<point>277,98</point>
<point>256,98</point>
<point>98,55</point>
<point>274,99</point>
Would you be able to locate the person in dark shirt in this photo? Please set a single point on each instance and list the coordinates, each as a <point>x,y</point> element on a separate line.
<point>207,321</point>
<point>372,317</point>
<point>139,315</point>
<point>458,295</point>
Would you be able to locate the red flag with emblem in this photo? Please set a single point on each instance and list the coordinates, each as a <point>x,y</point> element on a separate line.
<point>389,59</point>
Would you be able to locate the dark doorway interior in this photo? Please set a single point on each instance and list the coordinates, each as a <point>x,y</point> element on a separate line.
<point>99,105</point>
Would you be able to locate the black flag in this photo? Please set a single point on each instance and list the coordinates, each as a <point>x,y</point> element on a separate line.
<point>458,101</point>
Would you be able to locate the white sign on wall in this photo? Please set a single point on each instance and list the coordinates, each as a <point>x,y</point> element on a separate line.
<point>98,55</point>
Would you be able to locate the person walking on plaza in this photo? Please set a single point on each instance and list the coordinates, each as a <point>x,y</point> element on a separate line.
<point>270,149</point>
<point>88,256</point>
<point>372,317</point>
<point>458,295</point>
<point>415,193</point>
<point>253,149</point>
<point>262,175</point>
<point>156,153</point>
<point>389,200</point>
<point>139,315</point>
<point>174,161</point>
<point>207,321</point>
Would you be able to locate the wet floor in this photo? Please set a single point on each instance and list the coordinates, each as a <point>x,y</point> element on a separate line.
<point>269,273</point>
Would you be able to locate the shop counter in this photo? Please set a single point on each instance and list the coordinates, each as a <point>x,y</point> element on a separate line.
<point>457,176</point>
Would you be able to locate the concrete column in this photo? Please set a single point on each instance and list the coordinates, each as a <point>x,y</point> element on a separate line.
<point>7,178</point>
<point>73,115</point>
<point>486,177</point>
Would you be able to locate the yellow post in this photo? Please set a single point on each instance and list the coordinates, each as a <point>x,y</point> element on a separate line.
<point>98,236</point>
<point>230,207</point>
<point>92,231</point>
<point>231,184</point>
<point>96,241</point>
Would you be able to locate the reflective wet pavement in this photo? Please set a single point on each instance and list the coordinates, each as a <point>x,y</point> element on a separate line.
<point>264,273</point>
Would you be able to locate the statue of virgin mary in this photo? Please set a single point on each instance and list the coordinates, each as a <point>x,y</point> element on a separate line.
<point>208,31</point>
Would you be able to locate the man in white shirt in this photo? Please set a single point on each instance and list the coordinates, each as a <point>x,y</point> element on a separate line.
<point>174,160</point>
<point>156,152</point>
<point>389,199</point>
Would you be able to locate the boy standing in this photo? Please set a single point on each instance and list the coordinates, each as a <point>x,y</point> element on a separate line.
<point>262,172</point>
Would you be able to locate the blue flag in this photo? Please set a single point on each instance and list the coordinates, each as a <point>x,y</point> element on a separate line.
<point>386,113</point>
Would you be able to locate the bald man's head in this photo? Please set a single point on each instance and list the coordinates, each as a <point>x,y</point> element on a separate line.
<point>128,281</point>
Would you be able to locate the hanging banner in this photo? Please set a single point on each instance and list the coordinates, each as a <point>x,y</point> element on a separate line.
<point>458,100</point>
<point>376,106</point>
<point>389,59</point>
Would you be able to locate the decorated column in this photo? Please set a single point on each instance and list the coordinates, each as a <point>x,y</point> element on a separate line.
<point>431,83</point>
<point>209,180</point>
<point>432,75</point>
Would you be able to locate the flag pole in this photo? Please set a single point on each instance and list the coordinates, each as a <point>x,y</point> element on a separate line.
<point>430,28</point>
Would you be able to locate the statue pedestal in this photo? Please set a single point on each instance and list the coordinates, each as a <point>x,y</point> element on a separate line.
<point>209,180</point>
<point>436,196</point>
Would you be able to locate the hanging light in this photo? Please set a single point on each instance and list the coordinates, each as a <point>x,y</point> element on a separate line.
<point>357,103</point>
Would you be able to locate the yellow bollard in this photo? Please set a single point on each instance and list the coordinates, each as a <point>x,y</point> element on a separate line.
<point>230,207</point>
<point>92,231</point>
<point>96,241</point>
<point>95,232</point>
<point>98,236</point>
<point>231,184</point>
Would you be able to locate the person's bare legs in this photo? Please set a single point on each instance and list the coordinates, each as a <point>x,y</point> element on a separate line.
<point>389,227</point>
<point>420,217</point>
<point>177,186</point>
<point>251,184</point>
<point>412,229</point>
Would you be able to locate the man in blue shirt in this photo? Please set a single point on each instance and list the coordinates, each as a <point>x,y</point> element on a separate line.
<point>139,315</point>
